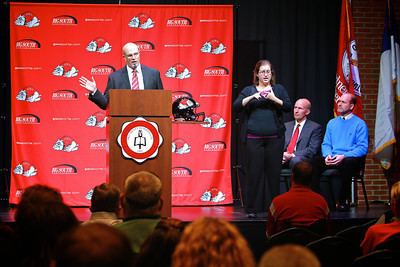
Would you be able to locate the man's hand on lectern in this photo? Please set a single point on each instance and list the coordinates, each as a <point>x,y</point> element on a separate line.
<point>89,85</point>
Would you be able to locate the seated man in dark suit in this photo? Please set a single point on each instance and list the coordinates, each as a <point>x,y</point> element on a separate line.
<point>303,137</point>
<point>133,76</point>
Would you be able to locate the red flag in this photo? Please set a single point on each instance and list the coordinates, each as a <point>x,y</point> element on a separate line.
<point>347,76</point>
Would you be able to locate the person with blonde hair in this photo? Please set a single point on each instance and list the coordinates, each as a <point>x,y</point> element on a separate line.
<point>289,255</point>
<point>212,242</point>
<point>378,233</point>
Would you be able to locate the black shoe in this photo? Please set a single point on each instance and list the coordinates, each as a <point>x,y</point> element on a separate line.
<point>343,207</point>
<point>251,215</point>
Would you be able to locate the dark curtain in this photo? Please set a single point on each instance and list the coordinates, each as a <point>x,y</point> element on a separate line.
<point>299,37</point>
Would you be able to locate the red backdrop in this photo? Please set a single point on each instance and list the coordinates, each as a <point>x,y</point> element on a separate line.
<point>59,136</point>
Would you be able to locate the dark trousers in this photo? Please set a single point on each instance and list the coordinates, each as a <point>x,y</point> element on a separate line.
<point>264,160</point>
<point>341,186</point>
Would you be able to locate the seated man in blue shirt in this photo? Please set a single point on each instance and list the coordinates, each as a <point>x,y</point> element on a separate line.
<point>344,146</point>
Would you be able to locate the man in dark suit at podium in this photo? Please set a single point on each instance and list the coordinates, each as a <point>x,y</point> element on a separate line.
<point>303,143</point>
<point>134,76</point>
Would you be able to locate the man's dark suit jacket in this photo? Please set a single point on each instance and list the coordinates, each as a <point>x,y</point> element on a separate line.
<point>120,80</point>
<point>309,142</point>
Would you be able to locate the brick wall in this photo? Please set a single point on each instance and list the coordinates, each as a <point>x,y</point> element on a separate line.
<point>368,18</point>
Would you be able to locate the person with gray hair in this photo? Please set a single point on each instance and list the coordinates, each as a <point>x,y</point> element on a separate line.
<point>141,205</point>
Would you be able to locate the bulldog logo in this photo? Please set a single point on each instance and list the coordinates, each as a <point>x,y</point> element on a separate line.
<point>27,19</point>
<point>66,144</point>
<point>141,21</point>
<point>28,94</point>
<point>98,45</point>
<point>180,146</point>
<point>65,70</point>
<point>213,195</point>
<point>178,71</point>
<point>213,46</point>
<point>98,119</point>
<point>25,169</point>
<point>214,121</point>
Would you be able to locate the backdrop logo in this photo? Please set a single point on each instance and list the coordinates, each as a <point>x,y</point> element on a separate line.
<point>141,21</point>
<point>140,139</point>
<point>179,22</point>
<point>64,20</point>
<point>99,45</point>
<point>28,94</point>
<point>27,19</point>
<point>145,46</point>
<point>181,172</point>
<point>98,119</point>
<point>64,169</point>
<point>212,195</point>
<point>216,71</point>
<point>215,146</point>
<point>213,46</point>
<point>27,119</point>
<point>64,95</point>
<point>27,44</point>
<point>178,94</point>
<point>65,69</point>
<point>214,121</point>
<point>102,70</point>
<point>180,146</point>
<point>26,169</point>
<point>178,71</point>
<point>99,144</point>
<point>66,144</point>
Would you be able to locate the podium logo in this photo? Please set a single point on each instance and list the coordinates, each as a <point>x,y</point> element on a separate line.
<point>140,139</point>
<point>178,71</point>
<point>145,46</point>
<point>216,71</point>
<point>27,44</point>
<point>99,45</point>
<point>98,119</point>
<point>27,119</point>
<point>64,95</point>
<point>66,144</point>
<point>64,169</point>
<point>28,94</point>
<point>26,169</point>
<point>102,70</point>
<point>180,146</point>
<point>181,172</point>
<point>213,46</point>
<point>141,21</point>
<point>27,19</point>
<point>99,144</point>
<point>179,22</point>
<point>65,69</point>
<point>64,20</point>
<point>214,146</point>
<point>179,94</point>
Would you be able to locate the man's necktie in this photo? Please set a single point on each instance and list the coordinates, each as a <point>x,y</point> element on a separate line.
<point>135,81</point>
<point>293,141</point>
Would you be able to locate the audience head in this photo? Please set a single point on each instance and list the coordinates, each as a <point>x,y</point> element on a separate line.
<point>39,193</point>
<point>256,71</point>
<point>212,242</point>
<point>142,194</point>
<point>302,173</point>
<point>94,244</point>
<point>302,109</point>
<point>289,255</point>
<point>105,197</point>
<point>395,199</point>
<point>158,248</point>
<point>346,104</point>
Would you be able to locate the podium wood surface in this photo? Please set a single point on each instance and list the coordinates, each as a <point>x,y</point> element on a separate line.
<point>154,106</point>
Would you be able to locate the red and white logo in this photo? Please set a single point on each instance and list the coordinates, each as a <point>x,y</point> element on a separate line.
<point>65,69</point>
<point>141,21</point>
<point>26,169</point>
<point>27,19</point>
<point>99,45</point>
<point>213,46</point>
<point>140,139</point>
<point>178,71</point>
<point>28,94</point>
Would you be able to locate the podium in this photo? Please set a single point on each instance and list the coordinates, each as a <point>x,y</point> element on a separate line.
<point>154,106</point>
